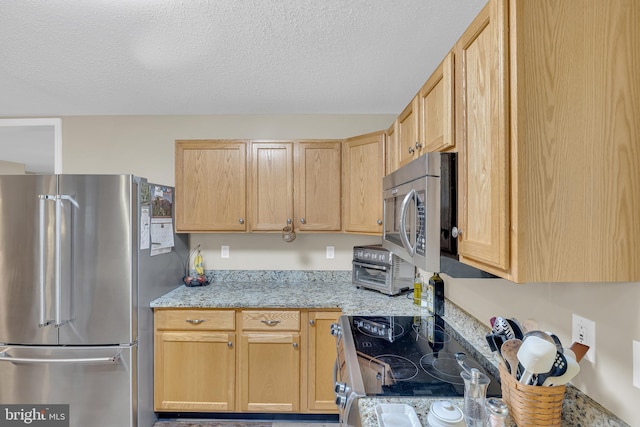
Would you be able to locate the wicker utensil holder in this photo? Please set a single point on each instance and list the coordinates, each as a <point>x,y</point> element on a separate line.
<point>531,406</point>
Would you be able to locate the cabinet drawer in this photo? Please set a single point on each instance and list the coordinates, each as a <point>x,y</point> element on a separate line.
<point>204,320</point>
<point>270,320</point>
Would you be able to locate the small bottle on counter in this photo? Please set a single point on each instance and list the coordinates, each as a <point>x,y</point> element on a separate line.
<point>417,290</point>
<point>435,295</point>
<point>497,412</point>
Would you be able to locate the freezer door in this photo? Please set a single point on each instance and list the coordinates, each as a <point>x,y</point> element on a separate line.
<point>96,382</point>
<point>98,290</point>
<point>27,267</point>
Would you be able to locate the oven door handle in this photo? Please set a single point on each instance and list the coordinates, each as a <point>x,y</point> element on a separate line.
<point>371,266</point>
<point>403,226</point>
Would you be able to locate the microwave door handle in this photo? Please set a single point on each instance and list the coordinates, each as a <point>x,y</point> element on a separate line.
<point>403,227</point>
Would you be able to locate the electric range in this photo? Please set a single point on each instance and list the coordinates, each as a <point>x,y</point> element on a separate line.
<point>390,356</point>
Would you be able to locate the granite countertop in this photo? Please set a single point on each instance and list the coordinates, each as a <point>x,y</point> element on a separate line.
<point>334,290</point>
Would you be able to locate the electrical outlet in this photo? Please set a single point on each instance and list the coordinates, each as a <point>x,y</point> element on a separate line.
<point>224,251</point>
<point>331,252</point>
<point>636,363</point>
<point>583,331</point>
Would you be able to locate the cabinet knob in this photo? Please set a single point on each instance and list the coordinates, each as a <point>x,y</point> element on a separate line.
<point>241,220</point>
<point>455,232</point>
<point>418,145</point>
<point>229,344</point>
<point>295,345</point>
<point>411,150</point>
<point>379,221</point>
<point>302,220</point>
<point>312,322</point>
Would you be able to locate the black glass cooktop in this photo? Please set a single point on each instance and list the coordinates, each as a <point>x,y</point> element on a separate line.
<point>411,356</point>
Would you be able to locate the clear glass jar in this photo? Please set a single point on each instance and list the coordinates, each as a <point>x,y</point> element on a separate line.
<point>497,412</point>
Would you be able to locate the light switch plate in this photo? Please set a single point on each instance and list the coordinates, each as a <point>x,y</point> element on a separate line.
<point>636,363</point>
<point>224,251</point>
<point>331,252</point>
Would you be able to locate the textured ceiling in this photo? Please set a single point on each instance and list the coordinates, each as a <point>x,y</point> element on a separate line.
<point>97,57</point>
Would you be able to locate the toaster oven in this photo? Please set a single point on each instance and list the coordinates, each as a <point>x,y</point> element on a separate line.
<point>377,268</point>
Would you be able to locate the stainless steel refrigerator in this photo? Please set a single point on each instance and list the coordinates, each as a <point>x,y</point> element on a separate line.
<point>76,279</point>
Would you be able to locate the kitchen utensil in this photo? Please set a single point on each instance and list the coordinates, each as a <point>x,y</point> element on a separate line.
<point>573,368</point>
<point>557,341</point>
<point>579,350</point>
<point>509,351</point>
<point>475,392</point>
<point>540,334</point>
<point>536,356</point>
<point>558,369</point>
<point>502,327</point>
<point>443,413</point>
<point>518,329</point>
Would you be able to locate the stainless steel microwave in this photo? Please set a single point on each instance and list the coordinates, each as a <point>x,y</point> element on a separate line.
<point>420,215</point>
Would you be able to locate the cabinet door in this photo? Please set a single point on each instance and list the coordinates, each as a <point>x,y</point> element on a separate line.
<point>363,172</point>
<point>407,133</point>
<point>436,108</point>
<point>391,149</point>
<point>322,358</point>
<point>194,371</point>
<point>269,374</point>
<point>483,139</point>
<point>271,185</point>
<point>318,185</point>
<point>210,185</point>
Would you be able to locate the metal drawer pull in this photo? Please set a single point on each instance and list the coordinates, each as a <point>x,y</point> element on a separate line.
<point>312,322</point>
<point>4,357</point>
<point>229,344</point>
<point>194,321</point>
<point>295,345</point>
<point>270,322</point>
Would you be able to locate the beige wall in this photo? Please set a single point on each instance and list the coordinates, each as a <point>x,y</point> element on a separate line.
<point>11,168</point>
<point>144,146</point>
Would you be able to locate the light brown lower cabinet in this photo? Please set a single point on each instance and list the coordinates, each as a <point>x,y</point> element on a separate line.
<point>282,361</point>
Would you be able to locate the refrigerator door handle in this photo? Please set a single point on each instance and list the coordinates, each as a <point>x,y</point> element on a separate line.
<point>43,321</point>
<point>58,255</point>
<point>4,357</point>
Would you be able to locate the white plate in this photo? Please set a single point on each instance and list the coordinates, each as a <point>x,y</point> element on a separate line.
<point>397,415</point>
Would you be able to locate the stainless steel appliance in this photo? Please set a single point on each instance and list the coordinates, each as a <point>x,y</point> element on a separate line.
<point>375,267</point>
<point>398,356</point>
<point>420,215</point>
<point>77,279</point>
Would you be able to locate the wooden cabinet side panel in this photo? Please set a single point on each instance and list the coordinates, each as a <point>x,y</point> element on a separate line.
<point>391,149</point>
<point>318,185</point>
<point>579,103</point>
<point>363,173</point>
<point>271,185</point>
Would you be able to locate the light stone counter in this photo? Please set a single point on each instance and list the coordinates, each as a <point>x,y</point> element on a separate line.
<point>333,289</point>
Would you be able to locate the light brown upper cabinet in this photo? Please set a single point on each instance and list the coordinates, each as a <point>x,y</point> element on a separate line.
<point>547,103</point>
<point>210,185</point>
<point>483,192</point>
<point>391,149</point>
<point>407,133</point>
<point>318,185</point>
<point>362,175</point>
<point>271,185</point>
<point>436,112</point>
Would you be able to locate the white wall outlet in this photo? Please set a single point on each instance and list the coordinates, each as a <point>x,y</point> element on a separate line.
<point>331,252</point>
<point>224,251</point>
<point>584,331</point>
<point>636,363</point>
